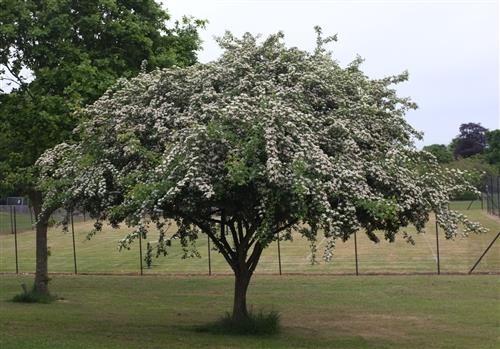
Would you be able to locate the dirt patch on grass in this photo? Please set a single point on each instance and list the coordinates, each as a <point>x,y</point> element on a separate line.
<point>388,327</point>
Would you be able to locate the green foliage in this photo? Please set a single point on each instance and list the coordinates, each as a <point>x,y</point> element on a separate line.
<point>73,52</point>
<point>477,168</point>
<point>493,149</point>
<point>381,210</point>
<point>255,325</point>
<point>33,296</point>
<point>148,259</point>
<point>442,153</point>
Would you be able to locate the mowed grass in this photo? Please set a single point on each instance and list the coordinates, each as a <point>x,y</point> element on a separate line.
<point>316,312</point>
<point>100,254</point>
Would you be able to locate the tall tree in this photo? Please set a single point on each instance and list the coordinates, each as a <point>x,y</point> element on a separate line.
<point>72,52</point>
<point>470,141</point>
<point>264,141</point>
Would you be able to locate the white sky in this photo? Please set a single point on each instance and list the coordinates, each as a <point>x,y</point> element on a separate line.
<point>450,48</point>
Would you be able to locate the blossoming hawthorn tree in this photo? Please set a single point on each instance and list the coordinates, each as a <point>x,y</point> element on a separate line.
<point>265,140</point>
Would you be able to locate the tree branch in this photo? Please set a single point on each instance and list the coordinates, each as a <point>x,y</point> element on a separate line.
<point>235,236</point>
<point>254,257</point>
<point>20,81</point>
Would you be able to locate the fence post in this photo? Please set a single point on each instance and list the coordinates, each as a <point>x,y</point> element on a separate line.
<point>140,250</point>
<point>15,238</point>
<point>11,220</point>
<point>487,199</point>
<point>31,214</point>
<point>209,261</point>
<point>437,246</point>
<point>498,195</point>
<point>279,253</point>
<point>356,253</point>
<point>492,196</point>
<point>74,247</point>
<point>470,204</point>
<point>484,253</point>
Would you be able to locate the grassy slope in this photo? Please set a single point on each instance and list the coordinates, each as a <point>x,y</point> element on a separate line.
<point>317,312</point>
<point>101,255</point>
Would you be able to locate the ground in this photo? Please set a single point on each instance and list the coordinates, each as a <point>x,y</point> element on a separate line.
<point>317,312</point>
<point>318,309</point>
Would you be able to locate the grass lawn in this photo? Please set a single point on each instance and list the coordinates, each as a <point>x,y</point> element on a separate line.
<point>100,254</point>
<point>317,312</point>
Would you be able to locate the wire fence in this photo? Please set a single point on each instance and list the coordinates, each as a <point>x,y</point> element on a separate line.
<point>73,252</point>
<point>491,195</point>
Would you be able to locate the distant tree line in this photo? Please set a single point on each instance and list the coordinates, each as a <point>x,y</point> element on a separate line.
<point>475,149</point>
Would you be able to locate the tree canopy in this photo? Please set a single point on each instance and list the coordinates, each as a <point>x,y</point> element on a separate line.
<point>470,141</point>
<point>58,56</point>
<point>493,148</point>
<point>72,51</point>
<point>264,141</point>
<point>442,153</point>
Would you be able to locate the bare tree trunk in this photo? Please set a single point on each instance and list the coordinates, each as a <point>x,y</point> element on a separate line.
<point>41,273</point>
<point>241,283</point>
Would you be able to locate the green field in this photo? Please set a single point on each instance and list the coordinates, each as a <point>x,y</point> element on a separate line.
<point>23,223</point>
<point>100,254</point>
<point>317,312</point>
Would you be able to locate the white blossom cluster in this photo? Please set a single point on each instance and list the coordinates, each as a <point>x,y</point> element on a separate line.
<point>275,137</point>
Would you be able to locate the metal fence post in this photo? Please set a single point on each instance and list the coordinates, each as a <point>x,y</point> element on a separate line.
<point>15,238</point>
<point>492,196</point>
<point>279,253</point>
<point>11,220</point>
<point>209,261</point>
<point>484,253</point>
<point>140,250</point>
<point>74,247</point>
<point>31,214</point>
<point>498,195</point>
<point>437,246</point>
<point>356,253</point>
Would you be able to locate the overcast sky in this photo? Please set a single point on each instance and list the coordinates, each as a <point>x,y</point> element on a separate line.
<point>450,48</point>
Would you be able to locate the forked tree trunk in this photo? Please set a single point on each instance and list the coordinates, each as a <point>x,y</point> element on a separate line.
<point>242,266</point>
<point>41,273</point>
<point>241,282</point>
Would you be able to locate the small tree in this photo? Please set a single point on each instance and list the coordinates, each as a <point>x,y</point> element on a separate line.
<point>266,140</point>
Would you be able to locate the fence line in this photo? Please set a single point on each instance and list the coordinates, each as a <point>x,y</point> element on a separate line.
<point>492,195</point>
<point>16,210</point>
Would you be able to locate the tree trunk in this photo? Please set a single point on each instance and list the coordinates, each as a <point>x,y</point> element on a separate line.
<point>241,282</point>
<point>41,273</point>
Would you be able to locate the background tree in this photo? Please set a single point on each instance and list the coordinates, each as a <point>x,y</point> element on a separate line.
<point>264,141</point>
<point>72,52</point>
<point>492,151</point>
<point>470,141</point>
<point>441,152</point>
